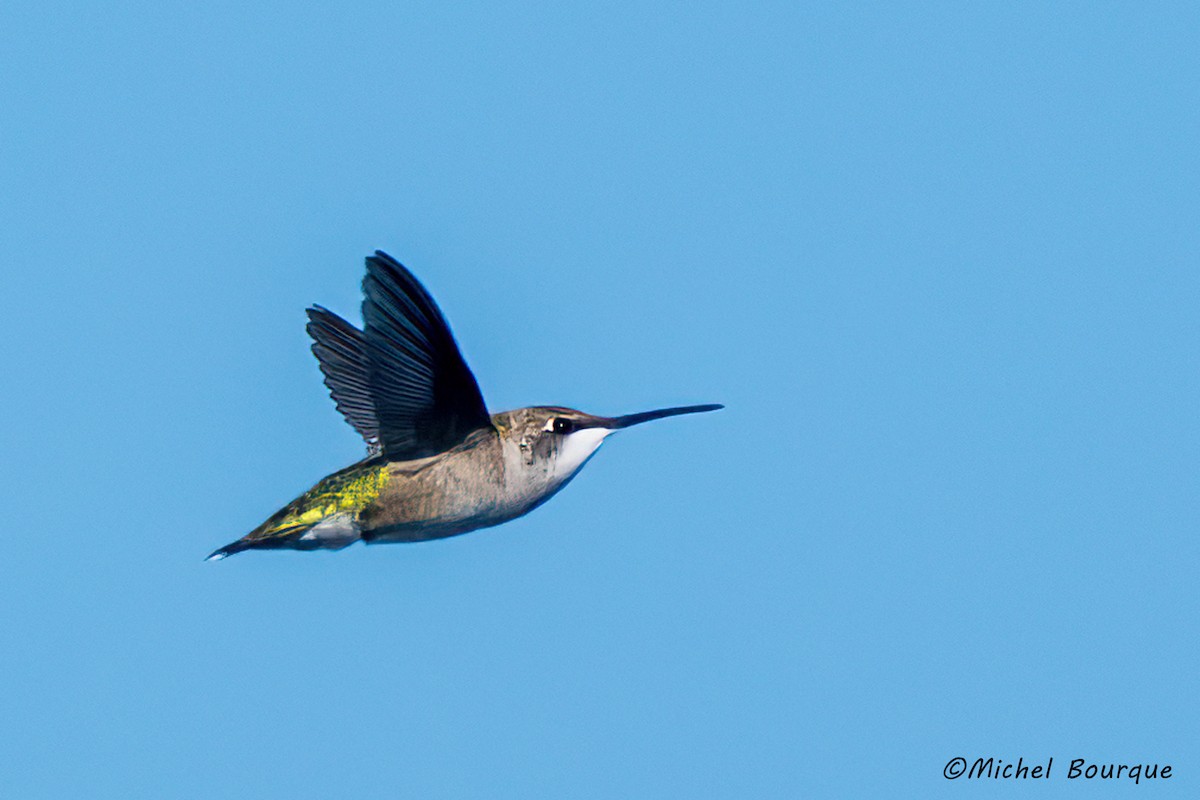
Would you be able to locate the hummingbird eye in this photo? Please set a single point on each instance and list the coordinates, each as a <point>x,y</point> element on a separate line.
<point>562,425</point>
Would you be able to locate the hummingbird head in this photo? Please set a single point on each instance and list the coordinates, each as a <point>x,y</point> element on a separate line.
<point>561,440</point>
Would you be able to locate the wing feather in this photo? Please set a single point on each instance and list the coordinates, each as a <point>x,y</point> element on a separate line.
<point>425,398</point>
<point>341,351</point>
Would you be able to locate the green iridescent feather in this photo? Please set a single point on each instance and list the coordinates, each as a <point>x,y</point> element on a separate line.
<point>348,491</point>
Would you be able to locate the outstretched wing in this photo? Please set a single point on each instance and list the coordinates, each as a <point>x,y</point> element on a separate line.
<point>426,399</point>
<point>401,382</point>
<point>342,353</point>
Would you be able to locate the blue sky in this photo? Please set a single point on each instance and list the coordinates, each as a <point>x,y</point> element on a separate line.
<point>939,262</point>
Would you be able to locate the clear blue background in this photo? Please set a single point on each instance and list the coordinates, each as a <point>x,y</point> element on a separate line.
<point>939,262</point>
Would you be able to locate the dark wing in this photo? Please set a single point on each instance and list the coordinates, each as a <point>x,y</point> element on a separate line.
<point>425,397</point>
<point>342,352</point>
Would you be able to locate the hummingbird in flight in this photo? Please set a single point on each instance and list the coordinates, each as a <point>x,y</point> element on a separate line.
<point>437,464</point>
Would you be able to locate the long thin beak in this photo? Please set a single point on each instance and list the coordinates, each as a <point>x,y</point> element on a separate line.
<point>646,416</point>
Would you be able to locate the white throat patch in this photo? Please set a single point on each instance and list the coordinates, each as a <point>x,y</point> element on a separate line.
<point>577,448</point>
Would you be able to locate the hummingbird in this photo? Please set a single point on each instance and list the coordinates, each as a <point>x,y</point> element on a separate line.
<point>437,463</point>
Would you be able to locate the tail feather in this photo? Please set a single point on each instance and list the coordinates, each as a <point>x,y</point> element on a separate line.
<point>217,555</point>
<point>333,533</point>
<point>261,538</point>
<point>228,550</point>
